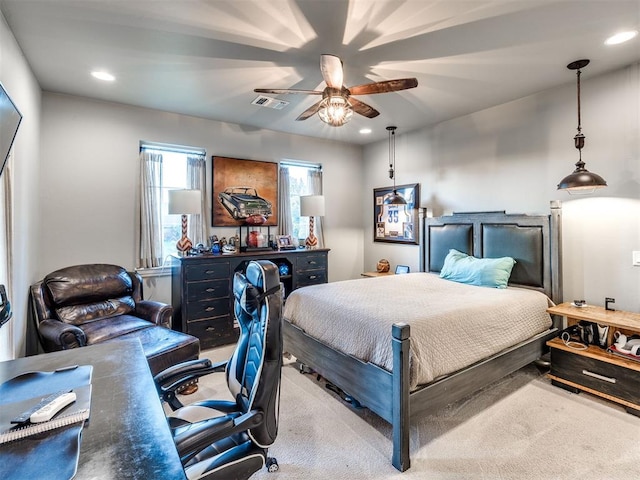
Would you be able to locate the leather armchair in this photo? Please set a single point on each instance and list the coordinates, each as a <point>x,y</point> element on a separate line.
<point>97,303</point>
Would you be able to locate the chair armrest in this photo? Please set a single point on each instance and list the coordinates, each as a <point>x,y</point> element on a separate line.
<point>201,435</point>
<point>173,379</point>
<point>57,335</point>
<point>155,312</point>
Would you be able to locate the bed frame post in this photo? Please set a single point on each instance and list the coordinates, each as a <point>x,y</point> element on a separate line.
<point>400,403</point>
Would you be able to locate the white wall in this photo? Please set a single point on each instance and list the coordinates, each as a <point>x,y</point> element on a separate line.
<point>90,169</point>
<point>512,157</point>
<point>18,80</point>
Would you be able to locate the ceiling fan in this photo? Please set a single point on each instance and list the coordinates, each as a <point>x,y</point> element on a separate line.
<point>337,104</point>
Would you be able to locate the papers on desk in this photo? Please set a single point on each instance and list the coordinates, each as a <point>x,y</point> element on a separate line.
<point>51,448</point>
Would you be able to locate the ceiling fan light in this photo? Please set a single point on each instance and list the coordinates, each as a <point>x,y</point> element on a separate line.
<point>335,111</point>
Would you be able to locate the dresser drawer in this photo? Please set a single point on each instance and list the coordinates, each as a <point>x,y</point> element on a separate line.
<point>313,277</point>
<point>207,289</point>
<point>206,271</point>
<point>608,378</point>
<point>311,262</point>
<point>213,331</point>
<point>207,308</point>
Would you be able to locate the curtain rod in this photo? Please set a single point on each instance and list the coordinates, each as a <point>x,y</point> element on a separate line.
<point>167,147</point>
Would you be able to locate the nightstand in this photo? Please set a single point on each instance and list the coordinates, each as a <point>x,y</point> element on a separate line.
<point>594,370</point>
<point>376,274</point>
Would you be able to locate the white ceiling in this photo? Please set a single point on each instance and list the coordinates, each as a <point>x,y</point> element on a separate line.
<point>204,58</point>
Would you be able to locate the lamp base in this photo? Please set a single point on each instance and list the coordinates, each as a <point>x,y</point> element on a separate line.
<point>184,244</point>
<point>311,241</point>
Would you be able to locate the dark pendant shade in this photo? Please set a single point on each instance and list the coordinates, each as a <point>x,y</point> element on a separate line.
<point>395,199</point>
<point>581,181</point>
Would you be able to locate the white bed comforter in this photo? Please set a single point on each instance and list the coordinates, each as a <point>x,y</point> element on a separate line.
<point>452,325</point>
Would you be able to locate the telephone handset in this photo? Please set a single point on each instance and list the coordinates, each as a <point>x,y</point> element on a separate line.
<point>5,306</point>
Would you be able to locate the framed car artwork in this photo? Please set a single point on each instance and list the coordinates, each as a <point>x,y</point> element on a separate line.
<point>245,192</point>
<point>396,223</point>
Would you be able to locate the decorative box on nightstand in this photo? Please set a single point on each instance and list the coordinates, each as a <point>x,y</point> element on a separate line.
<point>594,370</point>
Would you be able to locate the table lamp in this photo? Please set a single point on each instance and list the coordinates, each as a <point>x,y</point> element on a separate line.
<point>311,206</point>
<point>184,202</point>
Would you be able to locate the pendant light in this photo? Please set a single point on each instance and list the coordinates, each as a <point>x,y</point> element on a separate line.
<point>395,198</point>
<point>581,181</point>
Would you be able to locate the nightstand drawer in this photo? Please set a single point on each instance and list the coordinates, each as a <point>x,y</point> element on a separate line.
<point>608,378</point>
<point>207,308</point>
<point>207,289</point>
<point>207,271</point>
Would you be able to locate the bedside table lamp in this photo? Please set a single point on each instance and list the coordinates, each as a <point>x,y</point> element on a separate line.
<point>311,206</point>
<point>184,202</point>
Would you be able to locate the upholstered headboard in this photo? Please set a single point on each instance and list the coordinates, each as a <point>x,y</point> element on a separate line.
<point>532,240</point>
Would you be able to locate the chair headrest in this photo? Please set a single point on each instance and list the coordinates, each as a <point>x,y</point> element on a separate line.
<point>263,274</point>
<point>247,295</point>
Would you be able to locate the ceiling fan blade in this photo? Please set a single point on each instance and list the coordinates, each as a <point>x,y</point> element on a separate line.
<point>309,112</point>
<point>384,87</point>
<point>363,109</point>
<point>331,68</point>
<point>279,91</point>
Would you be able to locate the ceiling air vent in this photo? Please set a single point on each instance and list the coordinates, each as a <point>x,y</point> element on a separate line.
<point>263,101</point>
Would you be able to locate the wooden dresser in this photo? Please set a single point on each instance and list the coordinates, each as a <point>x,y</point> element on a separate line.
<point>201,288</point>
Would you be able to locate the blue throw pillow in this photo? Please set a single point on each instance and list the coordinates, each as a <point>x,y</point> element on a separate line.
<point>484,272</point>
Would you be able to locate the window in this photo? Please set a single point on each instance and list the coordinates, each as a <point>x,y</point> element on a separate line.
<point>302,179</point>
<point>164,168</point>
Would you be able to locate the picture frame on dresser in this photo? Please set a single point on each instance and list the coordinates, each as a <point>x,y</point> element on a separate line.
<point>396,223</point>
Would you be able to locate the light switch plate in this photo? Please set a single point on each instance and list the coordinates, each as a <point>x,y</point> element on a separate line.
<point>636,259</point>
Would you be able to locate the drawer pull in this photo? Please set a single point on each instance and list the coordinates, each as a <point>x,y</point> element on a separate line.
<point>209,290</point>
<point>311,262</point>
<point>210,329</point>
<point>598,376</point>
<point>312,277</point>
<point>209,309</point>
<point>209,272</point>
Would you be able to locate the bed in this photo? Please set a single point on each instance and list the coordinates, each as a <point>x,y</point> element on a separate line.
<point>390,383</point>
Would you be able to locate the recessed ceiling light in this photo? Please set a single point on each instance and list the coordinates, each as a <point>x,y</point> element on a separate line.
<point>102,75</point>
<point>620,37</point>
<point>365,131</point>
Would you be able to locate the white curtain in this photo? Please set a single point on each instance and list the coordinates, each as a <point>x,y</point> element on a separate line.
<point>197,180</point>
<point>315,186</point>
<point>285,222</point>
<point>150,252</point>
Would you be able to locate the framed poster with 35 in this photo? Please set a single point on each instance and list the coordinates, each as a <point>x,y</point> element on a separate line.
<point>396,223</point>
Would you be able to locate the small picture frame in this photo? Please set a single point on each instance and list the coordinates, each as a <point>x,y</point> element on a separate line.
<point>402,269</point>
<point>284,242</point>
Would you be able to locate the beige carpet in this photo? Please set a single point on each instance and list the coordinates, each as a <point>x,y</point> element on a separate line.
<point>519,428</point>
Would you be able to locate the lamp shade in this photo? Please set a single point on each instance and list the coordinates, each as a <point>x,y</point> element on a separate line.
<point>184,201</point>
<point>312,206</point>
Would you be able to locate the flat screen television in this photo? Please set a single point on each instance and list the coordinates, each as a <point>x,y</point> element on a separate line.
<point>10,119</point>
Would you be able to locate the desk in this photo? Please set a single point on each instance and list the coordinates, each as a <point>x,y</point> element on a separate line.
<point>127,435</point>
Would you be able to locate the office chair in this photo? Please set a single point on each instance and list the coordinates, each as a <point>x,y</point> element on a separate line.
<point>224,439</point>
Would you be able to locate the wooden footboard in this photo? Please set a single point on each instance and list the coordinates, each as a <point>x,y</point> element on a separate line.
<point>370,384</point>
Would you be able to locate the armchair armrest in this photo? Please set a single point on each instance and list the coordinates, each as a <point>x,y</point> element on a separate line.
<point>175,378</point>
<point>57,335</point>
<point>155,312</point>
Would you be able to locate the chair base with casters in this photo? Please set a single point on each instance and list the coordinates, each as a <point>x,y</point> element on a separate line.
<point>229,439</point>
